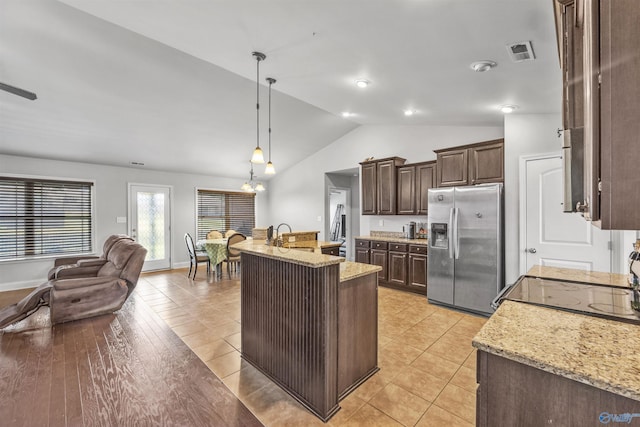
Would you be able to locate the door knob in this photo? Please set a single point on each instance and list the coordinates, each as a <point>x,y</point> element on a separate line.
<point>532,250</point>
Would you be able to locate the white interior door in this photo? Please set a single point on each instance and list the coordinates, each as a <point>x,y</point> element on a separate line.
<point>150,223</point>
<point>554,238</point>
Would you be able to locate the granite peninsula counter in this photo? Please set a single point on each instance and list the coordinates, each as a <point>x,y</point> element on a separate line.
<point>557,366</point>
<point>309,322</point>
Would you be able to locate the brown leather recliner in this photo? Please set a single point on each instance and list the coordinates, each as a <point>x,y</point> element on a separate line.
<point>89,287</point>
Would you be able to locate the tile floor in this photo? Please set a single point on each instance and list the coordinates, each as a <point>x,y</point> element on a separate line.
<point>427,364</point>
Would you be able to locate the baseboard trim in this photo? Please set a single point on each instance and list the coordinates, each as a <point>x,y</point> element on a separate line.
<point>13,286</point>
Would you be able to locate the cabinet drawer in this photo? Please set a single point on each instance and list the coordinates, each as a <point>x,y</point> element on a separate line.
<point>363,243</point>
<point>335,251</point>
<point>379,245</point>
<point>398,247</point>
<point>418,249</point>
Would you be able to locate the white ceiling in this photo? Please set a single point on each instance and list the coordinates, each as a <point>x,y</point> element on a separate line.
<point>172,83</point>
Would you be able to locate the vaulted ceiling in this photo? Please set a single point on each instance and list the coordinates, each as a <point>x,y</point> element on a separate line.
<point>172,83</point>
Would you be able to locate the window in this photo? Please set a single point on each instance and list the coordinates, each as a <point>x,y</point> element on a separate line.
<point>44,217</point>
<point>223,210</point>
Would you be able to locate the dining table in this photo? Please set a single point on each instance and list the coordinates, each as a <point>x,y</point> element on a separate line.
<point>216,249</point>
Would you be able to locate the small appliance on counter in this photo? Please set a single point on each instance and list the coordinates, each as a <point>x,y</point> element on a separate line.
<point>410,230</point>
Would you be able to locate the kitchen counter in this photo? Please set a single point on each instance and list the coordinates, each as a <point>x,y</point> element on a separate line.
<point>352,270</point>
<point>599,352</point>
<point>309,322</point>
<point>570,274</point>
<point>315,245</point>
<point>309,259</point>
<point>395,240</point>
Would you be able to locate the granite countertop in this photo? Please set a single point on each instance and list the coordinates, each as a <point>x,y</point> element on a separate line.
<point>352,270</point>
<point>599,352</point>
<point>312,244</point>
<point>395,240</point>
<point>595,277</point>
<point>310,259</point>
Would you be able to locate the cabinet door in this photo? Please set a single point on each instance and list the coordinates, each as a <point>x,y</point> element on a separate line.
<point>398,268</point>
<point>369,189</point>
<point>452,167</point>
<point>571,55</point>
<point>487,163</point>
<point>362,255</point>
<point>618,112</point>
<point>425,179</point>
<point>386,187</point>
<point>418,272</point>
<point>406,190</point>
<point>379,257</point>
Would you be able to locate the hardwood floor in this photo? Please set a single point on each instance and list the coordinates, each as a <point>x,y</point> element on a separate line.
<point>123,369</point>
<point>166,357</point>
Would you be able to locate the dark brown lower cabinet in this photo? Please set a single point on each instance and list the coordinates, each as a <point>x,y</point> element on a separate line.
<point>398,268</point>
<point>418,272</point>
<point>334,250</point>
<point>513,394</point>
<point>380,257</point>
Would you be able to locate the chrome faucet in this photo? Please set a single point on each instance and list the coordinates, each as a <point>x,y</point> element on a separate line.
<point>277,236</point>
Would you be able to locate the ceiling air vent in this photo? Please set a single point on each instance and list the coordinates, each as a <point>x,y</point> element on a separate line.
<point>521,51</point>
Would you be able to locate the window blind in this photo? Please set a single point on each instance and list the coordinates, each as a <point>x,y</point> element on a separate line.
<point>44,217</point>
<point>222,211</point>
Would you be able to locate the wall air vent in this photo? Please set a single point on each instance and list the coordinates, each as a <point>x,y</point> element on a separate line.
<point>521,51</point>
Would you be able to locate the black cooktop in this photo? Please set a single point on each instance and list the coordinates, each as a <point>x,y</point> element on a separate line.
<point>609,302</point>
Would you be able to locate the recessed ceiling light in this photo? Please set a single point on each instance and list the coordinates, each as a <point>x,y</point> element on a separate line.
<point>482,66</point>
<point>362,83</point>
<point>508,108</point>
<point>347,114</point>
<point>409,112</point>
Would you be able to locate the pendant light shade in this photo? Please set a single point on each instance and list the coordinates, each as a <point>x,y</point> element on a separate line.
<point>257,156</point>
<point>270,169</point>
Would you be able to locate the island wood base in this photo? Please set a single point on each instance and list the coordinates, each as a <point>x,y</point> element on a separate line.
<point>314,336</point>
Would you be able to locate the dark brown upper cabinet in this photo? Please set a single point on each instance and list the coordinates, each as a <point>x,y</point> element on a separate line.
<point>414,181</point>
<point>379,186</point>
<point>470,164</point>
<point>598,43</point>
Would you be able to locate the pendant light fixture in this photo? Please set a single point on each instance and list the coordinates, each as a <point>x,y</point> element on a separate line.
<point>257,156</point>
<point>270,169</point>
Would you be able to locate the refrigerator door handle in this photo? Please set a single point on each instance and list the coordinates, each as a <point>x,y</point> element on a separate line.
<point>456,232</point>
<point>452,235</point>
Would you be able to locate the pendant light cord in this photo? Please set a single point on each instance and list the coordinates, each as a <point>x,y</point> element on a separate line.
<point>258,100</point>
<point>270,83</point>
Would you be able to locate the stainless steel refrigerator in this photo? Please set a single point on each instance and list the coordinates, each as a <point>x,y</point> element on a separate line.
<point>466,246</point>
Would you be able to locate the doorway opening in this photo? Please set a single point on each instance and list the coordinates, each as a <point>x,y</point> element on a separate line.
<point>342,209</point>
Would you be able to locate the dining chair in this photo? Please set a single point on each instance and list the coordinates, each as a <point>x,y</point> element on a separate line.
<point>195,256</point>
<point>214,234</point>
<point>229,233</point>
<point>233,255</point>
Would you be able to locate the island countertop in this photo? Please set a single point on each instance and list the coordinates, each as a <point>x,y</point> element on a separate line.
<point>348,270</point>
<point>599,352</point>
<point>295,256</point>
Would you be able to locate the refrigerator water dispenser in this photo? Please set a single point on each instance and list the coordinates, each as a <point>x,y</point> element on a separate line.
<point>439,236</point>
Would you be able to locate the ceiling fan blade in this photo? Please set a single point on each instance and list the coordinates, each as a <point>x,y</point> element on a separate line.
<point>17,91</point>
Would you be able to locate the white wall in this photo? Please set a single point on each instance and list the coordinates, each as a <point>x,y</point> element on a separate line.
<point>524,134</point>
<point>297,195</point>
<point>111,186</point>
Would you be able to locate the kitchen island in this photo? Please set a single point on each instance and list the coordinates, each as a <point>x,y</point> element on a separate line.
<point>309,322</point>
<point>539,366</point>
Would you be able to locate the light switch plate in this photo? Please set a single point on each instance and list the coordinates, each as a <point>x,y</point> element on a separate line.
<point>121,220</point>
<point>319,219</point>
